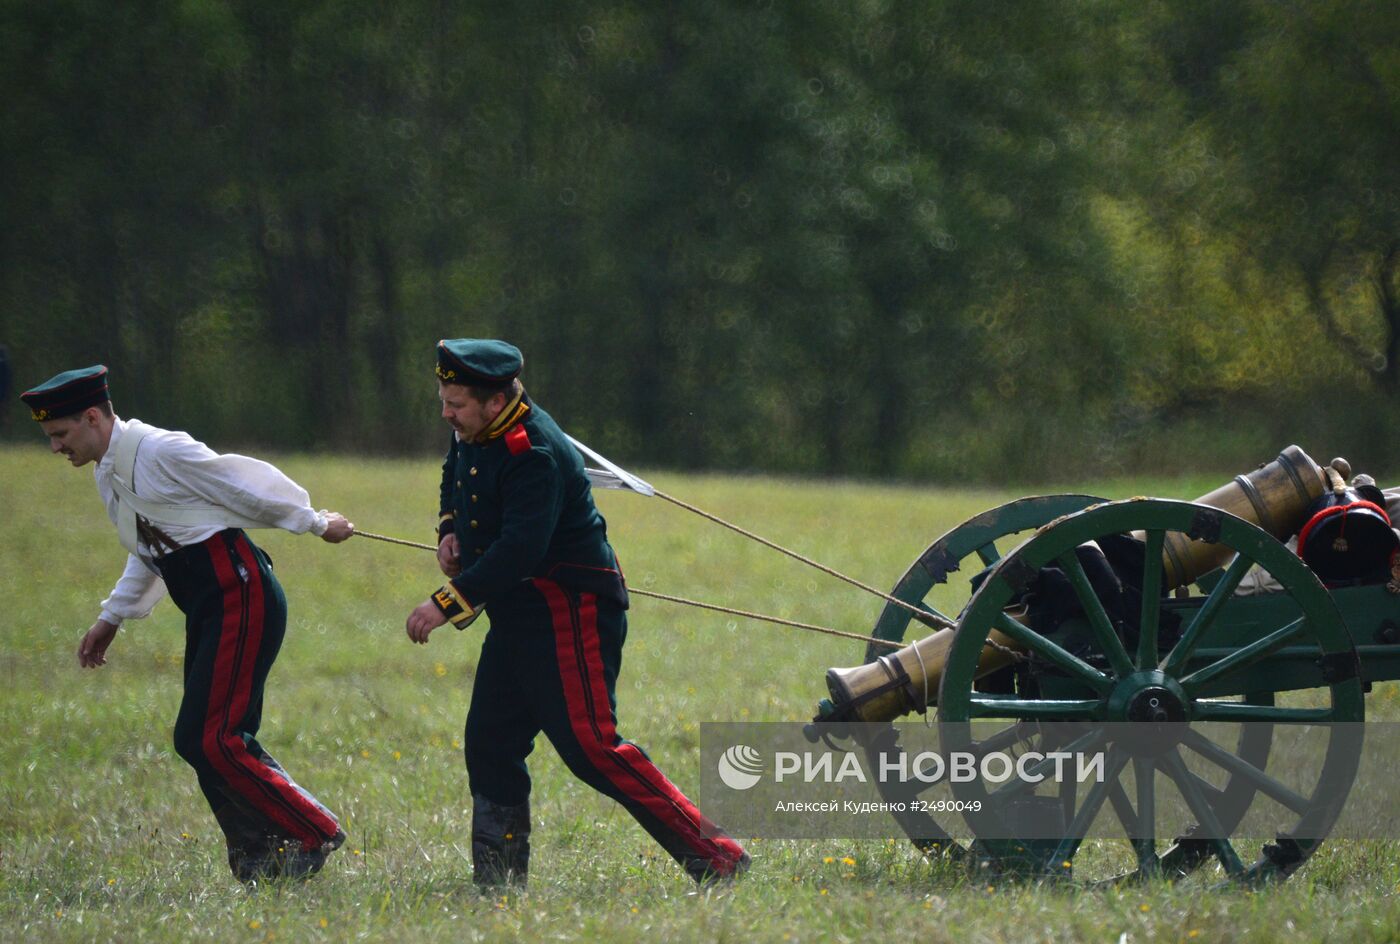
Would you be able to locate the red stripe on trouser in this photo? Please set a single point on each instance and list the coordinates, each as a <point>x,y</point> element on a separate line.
<point>231,686</point>
<point>590,716</point>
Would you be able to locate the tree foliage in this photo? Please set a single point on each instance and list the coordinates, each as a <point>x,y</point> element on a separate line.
<point>986,239</point>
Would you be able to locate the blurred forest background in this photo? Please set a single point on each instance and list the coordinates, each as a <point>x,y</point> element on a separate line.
<point>967,240</point>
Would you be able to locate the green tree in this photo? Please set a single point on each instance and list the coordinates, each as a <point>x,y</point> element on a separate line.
<point>1295,109</point>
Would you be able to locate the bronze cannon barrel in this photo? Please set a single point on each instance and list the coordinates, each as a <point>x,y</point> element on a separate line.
<point>907,679</point>
<point>1276,496</point>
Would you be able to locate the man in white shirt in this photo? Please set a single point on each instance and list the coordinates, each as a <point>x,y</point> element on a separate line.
<point>180,509</point>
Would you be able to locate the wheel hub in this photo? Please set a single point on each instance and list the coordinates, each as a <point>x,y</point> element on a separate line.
<point>1156,704</point>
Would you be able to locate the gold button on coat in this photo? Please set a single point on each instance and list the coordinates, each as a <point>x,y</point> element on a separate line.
<point>474,524</point>
<point>473,471</point>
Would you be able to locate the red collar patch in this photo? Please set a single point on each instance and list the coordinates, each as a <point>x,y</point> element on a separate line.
<point>517,440</point>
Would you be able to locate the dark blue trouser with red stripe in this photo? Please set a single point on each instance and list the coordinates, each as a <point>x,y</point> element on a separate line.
<point>550,663</point>
<point>235,618</point>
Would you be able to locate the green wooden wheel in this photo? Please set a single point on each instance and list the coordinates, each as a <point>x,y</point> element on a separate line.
<point>987,537</point>
<point>1110,689</point>
<point>964,551</point>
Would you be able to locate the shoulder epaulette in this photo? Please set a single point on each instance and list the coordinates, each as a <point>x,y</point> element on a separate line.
<point>517,440</point>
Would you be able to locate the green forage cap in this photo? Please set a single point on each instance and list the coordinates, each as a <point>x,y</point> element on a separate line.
<point>67,393</point>
<point>474,362</point>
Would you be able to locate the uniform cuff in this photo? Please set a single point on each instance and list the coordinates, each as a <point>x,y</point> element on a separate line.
<point>454,606</point>
<point>444,527</point>
<point>111,617</point>
<point>319,526</point>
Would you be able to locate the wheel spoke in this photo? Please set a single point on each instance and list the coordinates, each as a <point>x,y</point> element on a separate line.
<point>1205,616</point>
<point>1243,656</point>
<point>1034,709</point>
<point>1123,807</point>
<point>1203,811</point>
<point>1208,790</point>
<point>1074,835</point>
<point>1145,773</point>
<point>1240,711</point>
<point>1139,825</point>
<point>933,611</point>
<point>1046,765</point>
<point>989,554</point>
<point>1000,741</point>
<point>1151,600</point>
<point>1238,766</point>
<point>1053,653</point>
<point>1109,643</point>
<point>1069,796</point>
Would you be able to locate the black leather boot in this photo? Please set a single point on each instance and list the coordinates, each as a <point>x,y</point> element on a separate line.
<point>255,854</point>
<point>250,848</point>
<point>500,843</point>
<point>708,872</point>
<point>295,861</point>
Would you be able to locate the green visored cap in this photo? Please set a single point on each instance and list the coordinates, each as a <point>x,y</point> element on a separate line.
<point>67,393</point>
<point>474,362</point>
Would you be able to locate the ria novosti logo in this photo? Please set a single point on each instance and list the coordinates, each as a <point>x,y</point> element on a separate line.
<point>740,767</point>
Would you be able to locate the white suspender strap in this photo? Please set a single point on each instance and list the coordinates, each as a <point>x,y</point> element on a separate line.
<point>129,504</point>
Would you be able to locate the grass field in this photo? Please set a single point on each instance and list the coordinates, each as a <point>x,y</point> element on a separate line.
<point>103,834</point>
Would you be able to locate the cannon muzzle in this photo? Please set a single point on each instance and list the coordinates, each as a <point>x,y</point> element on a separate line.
<point>905,680</point>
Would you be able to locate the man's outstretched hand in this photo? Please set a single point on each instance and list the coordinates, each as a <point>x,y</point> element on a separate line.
<point>337,528</point>
<point>92,651</point>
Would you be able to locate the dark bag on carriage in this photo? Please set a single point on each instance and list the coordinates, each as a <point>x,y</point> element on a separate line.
<point>1348,539</point>
<point>1114,566</point>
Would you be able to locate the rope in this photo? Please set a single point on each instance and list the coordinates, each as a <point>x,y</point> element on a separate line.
<point>768,619</point>
<point>384,537</point>
<point>696,603</point>
<point>923,616</point>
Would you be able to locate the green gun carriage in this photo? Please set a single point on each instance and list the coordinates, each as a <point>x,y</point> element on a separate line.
<point>1296,653</point>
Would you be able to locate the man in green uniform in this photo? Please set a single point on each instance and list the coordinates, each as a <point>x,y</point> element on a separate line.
<point>520,537</point>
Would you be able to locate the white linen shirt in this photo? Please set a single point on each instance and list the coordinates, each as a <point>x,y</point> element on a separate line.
<point>173,467</point>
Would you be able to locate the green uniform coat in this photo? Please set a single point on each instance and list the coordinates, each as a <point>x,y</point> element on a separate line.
<point>522,507</point>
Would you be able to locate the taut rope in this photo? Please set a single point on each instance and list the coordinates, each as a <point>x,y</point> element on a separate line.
<point>696,603</point>
<point>923,616</point>
<point>931,620</point>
